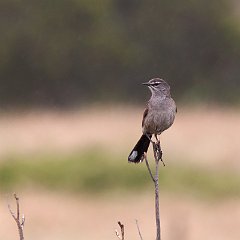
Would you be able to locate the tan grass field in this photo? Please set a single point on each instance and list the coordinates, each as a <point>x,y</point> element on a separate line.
<point>51,216</point>
<point>206,136</point>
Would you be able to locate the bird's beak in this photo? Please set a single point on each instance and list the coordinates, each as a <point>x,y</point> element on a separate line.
<point>146,83</point>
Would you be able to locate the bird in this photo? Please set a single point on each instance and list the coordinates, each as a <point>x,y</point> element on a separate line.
<point>158,116</point>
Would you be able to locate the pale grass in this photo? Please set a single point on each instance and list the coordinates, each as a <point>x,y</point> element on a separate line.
<point>51,216</point>
<point>208,136</point>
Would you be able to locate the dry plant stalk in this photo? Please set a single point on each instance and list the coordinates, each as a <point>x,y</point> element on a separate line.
<point>155,178</point>
<point>158,156</point>
<point>139,232</point>
<point>19,222</point>
<point>122,231</point>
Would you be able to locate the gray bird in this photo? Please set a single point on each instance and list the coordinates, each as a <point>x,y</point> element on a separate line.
<point>157,117</point>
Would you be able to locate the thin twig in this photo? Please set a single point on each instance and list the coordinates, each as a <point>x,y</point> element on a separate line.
<point>139,232</point>
<point>157,211</point>
<point>122,231</point>
<point>148,167</point>
<point>20,222</point>
<point>157,156</point>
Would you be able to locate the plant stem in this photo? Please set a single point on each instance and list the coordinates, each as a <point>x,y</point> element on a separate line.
<point>158,237</point>
<point>158,156</point>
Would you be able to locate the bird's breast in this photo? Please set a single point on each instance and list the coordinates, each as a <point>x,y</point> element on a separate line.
<point>160,117</point>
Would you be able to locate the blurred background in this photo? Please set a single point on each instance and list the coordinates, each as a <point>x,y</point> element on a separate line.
<point>71,104</point>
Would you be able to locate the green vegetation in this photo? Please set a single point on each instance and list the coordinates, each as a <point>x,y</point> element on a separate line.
<point>99,173</point>
<point>65,52</point>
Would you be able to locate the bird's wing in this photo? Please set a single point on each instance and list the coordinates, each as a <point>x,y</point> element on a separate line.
<point>145,113</point>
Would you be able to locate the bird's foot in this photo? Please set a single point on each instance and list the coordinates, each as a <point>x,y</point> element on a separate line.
<point>158,152</point>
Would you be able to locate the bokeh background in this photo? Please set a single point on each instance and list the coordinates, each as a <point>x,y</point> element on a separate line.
<point>71,104</point>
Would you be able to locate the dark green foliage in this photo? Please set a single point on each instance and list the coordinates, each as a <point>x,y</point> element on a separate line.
<point>66,52</point>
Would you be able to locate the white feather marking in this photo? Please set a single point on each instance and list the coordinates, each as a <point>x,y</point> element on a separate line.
<point>133,155</point>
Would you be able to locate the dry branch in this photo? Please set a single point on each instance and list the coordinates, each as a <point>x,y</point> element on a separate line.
<point>155,178</point>
<point>139,232</point>
<point>19,222</point>
<point>122,231</point>
<point>158,156</point>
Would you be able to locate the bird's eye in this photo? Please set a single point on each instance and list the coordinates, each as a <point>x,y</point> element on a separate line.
<point>155,84</point>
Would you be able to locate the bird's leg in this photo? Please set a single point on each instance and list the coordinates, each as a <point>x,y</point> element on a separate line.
<point>158,149</point>
<point>158,141</point>
<point>149,138</point>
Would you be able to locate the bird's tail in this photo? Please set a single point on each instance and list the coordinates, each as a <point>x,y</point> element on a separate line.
<point>140,148</point>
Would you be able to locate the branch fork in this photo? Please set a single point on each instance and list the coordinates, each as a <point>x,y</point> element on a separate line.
<point>158,156</point>
<point>19,221</point>
<point>121,237</point>
<point>155,177</point>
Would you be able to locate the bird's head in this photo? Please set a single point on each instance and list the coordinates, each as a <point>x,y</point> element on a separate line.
<point>158,87</point>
